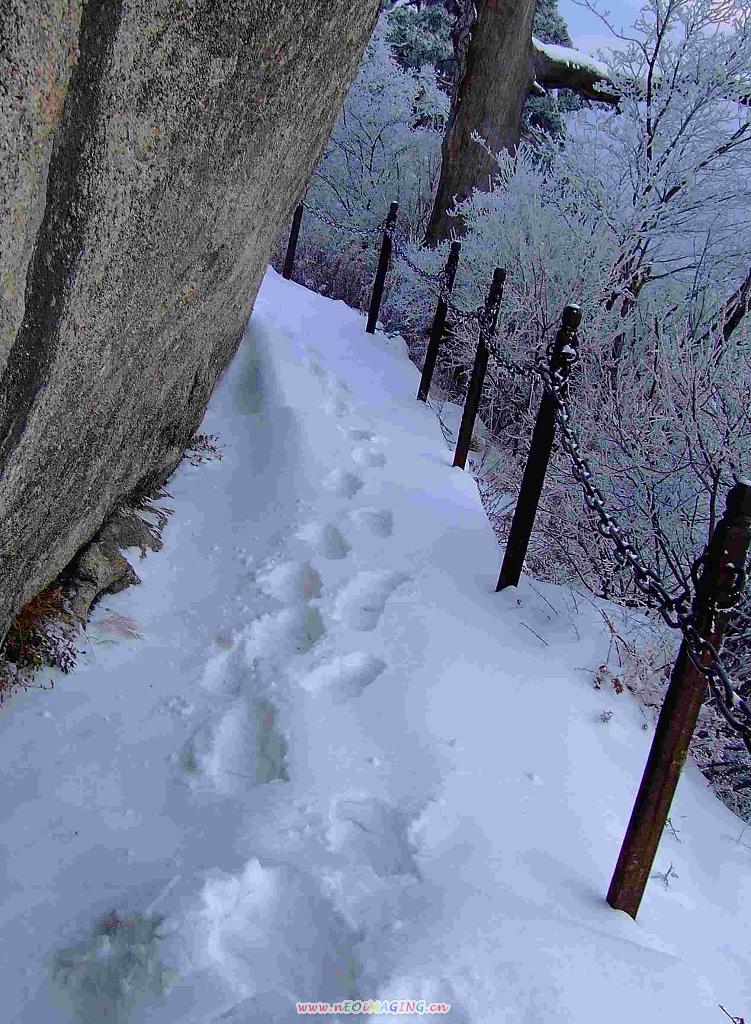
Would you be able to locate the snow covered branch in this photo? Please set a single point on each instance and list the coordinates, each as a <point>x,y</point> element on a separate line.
<point>560,67</point>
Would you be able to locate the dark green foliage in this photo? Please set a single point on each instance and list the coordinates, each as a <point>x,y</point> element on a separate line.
<point>422,36</point>
<point>549,24</point>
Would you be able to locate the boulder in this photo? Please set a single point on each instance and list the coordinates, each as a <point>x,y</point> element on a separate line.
<point>150,153</point>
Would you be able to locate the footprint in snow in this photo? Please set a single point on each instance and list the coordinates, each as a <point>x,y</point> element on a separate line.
<point>325,539</point>
<point>270,745</point>
<point>260,935</point>
<point>291,581</point>
<point>283,634</point>
<point>378,520</point>
<point>345,677</point>
<point>361,435</point>
<point>360,604</point>
<point>241,747</point>
<point>357,434</point>
<point>343,484</point>
<point>220,673</point>
<point>372,831</point>
<point>368,457</point>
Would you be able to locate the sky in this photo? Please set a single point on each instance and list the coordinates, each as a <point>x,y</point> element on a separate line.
<point>587,31</point>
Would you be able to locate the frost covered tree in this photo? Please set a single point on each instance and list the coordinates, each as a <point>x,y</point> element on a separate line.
<point>385,146</point>
<point>545,113</point>
<point>499,63</point>
<point>681,152</point>
<point>639,218</point>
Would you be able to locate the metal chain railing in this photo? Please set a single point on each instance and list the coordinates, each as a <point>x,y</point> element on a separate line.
<point>317,212</point>
<point>676,610</point>
<point>472,319</point>
<point>717,577</point>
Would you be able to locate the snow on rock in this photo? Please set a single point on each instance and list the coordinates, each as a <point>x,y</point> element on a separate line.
<point>335,761</point>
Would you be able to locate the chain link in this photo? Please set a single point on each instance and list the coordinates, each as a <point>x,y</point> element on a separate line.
<point>676,610</point>
<point>345,228</point>
<point>473,320</point>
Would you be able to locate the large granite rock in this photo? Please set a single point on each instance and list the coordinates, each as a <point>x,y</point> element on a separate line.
<point>150,153</point>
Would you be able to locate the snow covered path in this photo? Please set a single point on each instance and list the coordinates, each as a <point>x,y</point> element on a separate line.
<point>335,760</point>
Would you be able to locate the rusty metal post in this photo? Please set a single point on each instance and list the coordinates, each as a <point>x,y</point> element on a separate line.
<point>727,551</point>
<point>476,381</point>
<point>539,456</point>
<point>383,265</point>
<point>439,325</point>
<point>289,259</point>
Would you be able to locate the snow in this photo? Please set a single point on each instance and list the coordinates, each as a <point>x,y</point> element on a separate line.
<point>335,763</point>
<point>574,58</point>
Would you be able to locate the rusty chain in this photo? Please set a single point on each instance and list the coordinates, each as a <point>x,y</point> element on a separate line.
<point>475,320</point>
<point>676,610</point>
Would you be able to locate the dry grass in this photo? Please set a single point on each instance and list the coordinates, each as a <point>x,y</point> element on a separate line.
<point>203,448</point>
<point>45,633</point>
<point>42,635</point>
<point>117,626</point>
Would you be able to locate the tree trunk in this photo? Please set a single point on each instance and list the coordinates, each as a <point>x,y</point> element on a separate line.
<point>490,97</point>
<point>503,63</point>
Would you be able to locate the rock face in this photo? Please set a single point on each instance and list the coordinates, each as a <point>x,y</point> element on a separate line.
<point>150,153</point>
